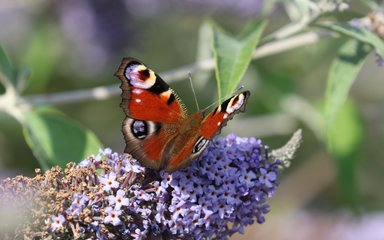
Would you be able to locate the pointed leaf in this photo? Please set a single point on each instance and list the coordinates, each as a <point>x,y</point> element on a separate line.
<point>344,128</point>
<point>232,56</point>
<point>360,34</point>
<point>6,68</point>
<point>57,140</point>
<point>342,74</point>
<point>42,56</point>
<point>345,138</point>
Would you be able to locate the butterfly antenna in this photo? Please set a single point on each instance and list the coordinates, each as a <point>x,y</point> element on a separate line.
<point>238,88</point>
<point>193,90</point>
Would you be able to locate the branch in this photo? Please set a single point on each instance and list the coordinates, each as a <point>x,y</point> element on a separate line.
<point>105,92</point>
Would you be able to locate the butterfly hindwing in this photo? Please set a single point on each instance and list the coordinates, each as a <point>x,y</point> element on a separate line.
<point>186,145</point>
<point>145,140</point>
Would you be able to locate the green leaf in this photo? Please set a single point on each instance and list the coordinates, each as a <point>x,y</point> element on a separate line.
<point>6,68</point>
<point>57,140</point>
<point>361,34</point>
<point>297,9</point>
<point>343,125</point>
<point>371,4</point>
<point>342,74</point>
<point>232,56</point>
<point>344,142</point>
<point>42,55</point>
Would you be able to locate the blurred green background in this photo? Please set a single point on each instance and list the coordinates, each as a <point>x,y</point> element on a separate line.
<point>71,45</point>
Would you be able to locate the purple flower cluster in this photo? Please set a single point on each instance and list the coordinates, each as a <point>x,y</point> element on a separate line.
<point>219,194</point>
<point>230,183</point>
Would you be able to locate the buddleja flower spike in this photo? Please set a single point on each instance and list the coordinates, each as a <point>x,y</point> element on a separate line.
<point>108,196</point>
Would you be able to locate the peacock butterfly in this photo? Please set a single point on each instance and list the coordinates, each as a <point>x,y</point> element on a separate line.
<point>157,129</point>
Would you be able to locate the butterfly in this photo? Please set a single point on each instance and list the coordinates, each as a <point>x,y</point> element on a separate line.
<point>157,129</point>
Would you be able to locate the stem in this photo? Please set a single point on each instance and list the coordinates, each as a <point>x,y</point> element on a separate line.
<point>301,109</point>
<point>292,28</point>
<point>9,99</point>
<point>105,92</point>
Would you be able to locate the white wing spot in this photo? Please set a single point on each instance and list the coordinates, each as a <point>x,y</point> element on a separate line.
<point>138,100</point>
<point>233,107</point>
<point>137,91</point>
<point>219,123</point>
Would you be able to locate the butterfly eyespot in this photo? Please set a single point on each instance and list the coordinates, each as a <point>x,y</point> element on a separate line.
<point>140,76</point>
<point>141,129</point>
<point>200,145</point>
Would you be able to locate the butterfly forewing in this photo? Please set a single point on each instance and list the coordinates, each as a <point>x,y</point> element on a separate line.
<point>218,118</point>
<point>146,96</point>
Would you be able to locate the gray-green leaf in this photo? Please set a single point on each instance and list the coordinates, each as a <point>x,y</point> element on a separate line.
<point>342,74</point>
<point>6,68</point>
<point>343,126</point>
<point>57,140</point>
<point>345,139</point>
<point>42,55</point>
<point>361,34</point>
<point>232,56</point>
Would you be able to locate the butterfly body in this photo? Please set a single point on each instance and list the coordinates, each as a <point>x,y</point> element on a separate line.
<point>157,129</point>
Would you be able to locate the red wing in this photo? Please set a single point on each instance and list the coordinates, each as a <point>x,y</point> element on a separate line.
<point>224,112</point>
<point>146,96</point>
